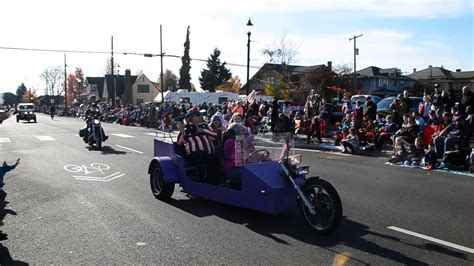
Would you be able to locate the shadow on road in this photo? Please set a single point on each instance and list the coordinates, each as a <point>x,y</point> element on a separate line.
<point>5,256</point>
<point>350,233</point>
<point>107,150</point>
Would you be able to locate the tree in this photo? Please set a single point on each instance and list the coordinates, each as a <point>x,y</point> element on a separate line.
<point>20,91</point>
<point>53,76</point>
<point>283,91</point>
<point>184,76</point>
<point>281,51</point>
<point>29,96</point>
<point>216,73</point>
<point>231,85</point>
<point>10,99</point>
<point>108,66</point>
<point>284,52</point>
<point>139,72</point>
<point>268,89</point>
<point>76,86</point>
<point>170,80</point>
<point>321,80</point>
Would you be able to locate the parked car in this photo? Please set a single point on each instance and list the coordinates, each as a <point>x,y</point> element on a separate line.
<point>26,111</point>
<point>383,107</point>
<point>363,98</point>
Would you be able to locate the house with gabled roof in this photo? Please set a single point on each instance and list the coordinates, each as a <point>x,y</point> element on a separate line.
<point>271,73</point>
<point>382,81</point>
<point>129,89</point>
<point>446,78</point>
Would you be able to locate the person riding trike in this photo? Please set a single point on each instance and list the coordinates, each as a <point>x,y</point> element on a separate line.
<point>275,186</point>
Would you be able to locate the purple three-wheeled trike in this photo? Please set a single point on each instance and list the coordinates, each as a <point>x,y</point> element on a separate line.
<point>272,186</point>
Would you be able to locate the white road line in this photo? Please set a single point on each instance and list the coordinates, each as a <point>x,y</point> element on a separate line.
<point>432,239</point>
<point>150,134</point>
<point>128,149</point>
<point>123,135</point>
<point>45,138</point>
<point>5,140</point>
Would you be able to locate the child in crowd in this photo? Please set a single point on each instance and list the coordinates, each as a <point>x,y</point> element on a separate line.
<point>431,161</point>
<point>6,168</point>
<point>351,142</point>
<point>417,153</point>
<point>400,153</point>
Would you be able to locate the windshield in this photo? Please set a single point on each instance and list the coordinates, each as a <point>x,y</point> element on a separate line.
<point>385,103</point>
<point>26,106</point>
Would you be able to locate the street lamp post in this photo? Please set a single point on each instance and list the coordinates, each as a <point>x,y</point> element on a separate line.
<point>249,25</point>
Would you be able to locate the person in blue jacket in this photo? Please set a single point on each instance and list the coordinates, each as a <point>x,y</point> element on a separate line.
<point>6,168</point>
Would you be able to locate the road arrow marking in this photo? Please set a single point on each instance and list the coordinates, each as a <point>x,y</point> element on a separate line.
<point>5,140</point>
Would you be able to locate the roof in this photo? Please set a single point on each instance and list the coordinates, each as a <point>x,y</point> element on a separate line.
<point>99,81</point>
<point>119,83</point>
<point>432,72</point>
<point>463,75</point>
<point>373,71</point>
<point>292,69</point>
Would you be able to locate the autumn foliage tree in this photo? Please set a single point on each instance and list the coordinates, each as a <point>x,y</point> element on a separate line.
<point>231,85</point>
<point>76,86</point>
<point>29,96</point>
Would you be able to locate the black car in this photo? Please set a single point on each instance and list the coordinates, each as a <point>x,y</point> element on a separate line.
<point>26,111</point>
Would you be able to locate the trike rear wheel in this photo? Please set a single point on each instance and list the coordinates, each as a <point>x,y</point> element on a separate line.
<point>327,204</point>
<point>161,190</point>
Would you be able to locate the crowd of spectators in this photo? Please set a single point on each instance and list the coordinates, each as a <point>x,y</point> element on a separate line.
<point>434,135</point>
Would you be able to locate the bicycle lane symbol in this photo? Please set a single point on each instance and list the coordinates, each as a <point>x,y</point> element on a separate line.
<point>92,172</point>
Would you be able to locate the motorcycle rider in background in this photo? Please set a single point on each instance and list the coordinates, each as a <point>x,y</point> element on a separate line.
<point>91,112</point>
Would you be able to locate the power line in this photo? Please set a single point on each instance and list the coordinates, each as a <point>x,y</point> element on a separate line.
<point>107,52</point>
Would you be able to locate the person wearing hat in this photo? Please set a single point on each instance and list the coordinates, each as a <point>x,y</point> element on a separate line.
<point>197,139</point>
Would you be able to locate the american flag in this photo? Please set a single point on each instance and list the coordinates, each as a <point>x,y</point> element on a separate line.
<point>251,96</point>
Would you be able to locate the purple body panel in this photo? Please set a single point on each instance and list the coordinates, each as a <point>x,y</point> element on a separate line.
<point>264,187</point>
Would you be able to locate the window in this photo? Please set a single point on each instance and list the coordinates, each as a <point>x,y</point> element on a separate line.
<point>94,88</point>
<point>222,100</point>
<point>395,83</point>
<point>383,82</point>
<point>271,80</point>
<point>402,82</point>
<point>143,88</point>
<point>184,100</point>
<point>139,101</point>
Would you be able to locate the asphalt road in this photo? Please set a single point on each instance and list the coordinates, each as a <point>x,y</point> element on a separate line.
<point>52,217</point>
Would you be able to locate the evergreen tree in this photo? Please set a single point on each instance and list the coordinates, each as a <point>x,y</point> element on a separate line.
<point>184,76</point>
<point>20,91</point>
<point>216,73</point>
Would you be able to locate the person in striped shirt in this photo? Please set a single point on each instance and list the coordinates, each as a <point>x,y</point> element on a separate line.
<point>197,139</point>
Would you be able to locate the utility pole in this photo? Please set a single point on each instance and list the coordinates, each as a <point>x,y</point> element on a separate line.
<point>112,70</point>
<point>356,53</point>
<point>162,85</point>
<point>65,84</point>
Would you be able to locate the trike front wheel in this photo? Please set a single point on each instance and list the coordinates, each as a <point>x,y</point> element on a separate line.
<point>328,208</point>
<point>161,190</point>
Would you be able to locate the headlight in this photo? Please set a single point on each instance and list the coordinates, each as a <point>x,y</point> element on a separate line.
<point>295,159</point>
<point>302,170</point>
<point>96,121</point>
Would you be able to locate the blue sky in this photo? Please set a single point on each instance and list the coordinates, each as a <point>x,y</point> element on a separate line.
<point>397,33</point>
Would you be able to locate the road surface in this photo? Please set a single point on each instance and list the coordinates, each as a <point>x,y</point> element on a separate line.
<point>56,213</point>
